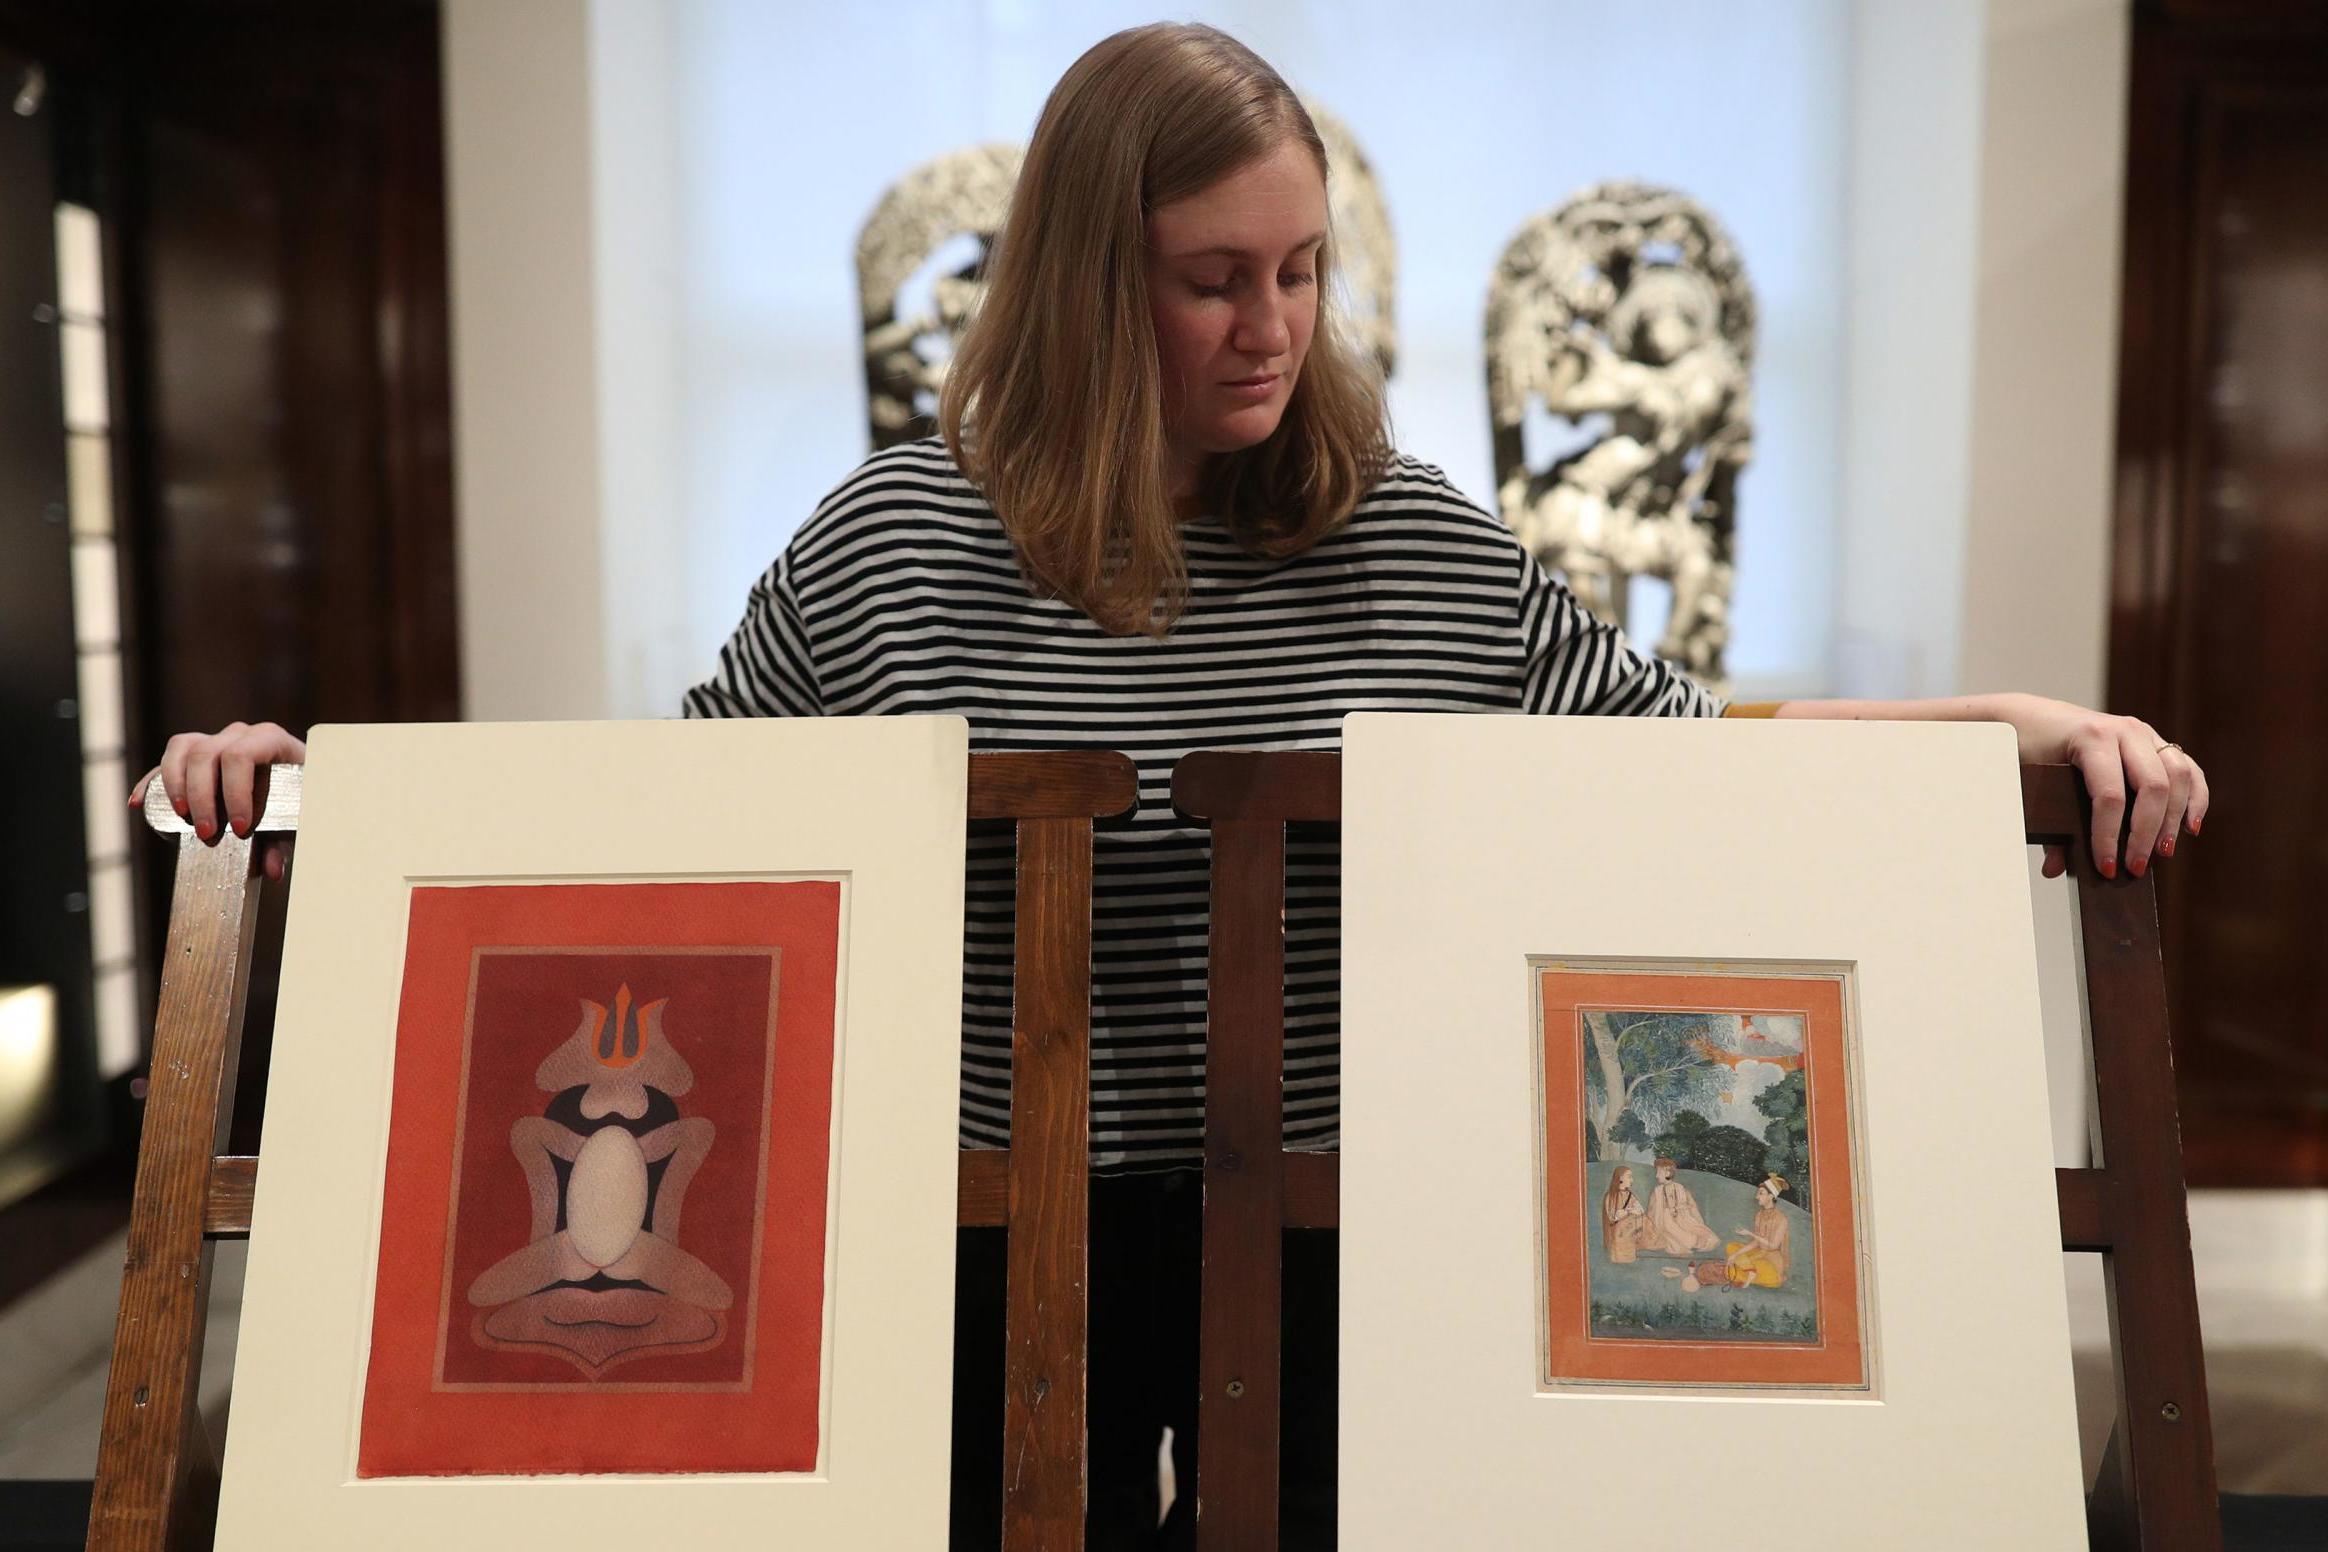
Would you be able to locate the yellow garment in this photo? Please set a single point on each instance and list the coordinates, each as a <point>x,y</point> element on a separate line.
<point>1754,1267</point>
<point>1766,1264</point>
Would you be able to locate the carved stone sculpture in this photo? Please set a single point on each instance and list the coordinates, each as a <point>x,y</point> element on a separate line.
<point>948,211</point>
<point>1364,244</point>
<point>1628,304</point>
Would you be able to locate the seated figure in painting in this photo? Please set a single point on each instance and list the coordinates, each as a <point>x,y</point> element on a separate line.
<point>1760,1259</point>
<point>1675,1227</point>
<point>1623,1219</point>
<point>602,1278</point>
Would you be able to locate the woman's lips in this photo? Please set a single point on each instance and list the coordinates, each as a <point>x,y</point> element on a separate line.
<point>1254,387</point>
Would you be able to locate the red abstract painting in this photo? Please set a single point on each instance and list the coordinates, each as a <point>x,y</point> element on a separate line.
<point>602,1245</point>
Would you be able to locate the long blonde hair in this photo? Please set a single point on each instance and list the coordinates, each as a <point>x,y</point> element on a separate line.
<point>1053,403</point>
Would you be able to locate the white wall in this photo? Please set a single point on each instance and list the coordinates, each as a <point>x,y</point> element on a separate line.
<point>525,357</point>
<point>571,530</point>
<point>1909,277</point>
<point>1986,164</point>
<point>641,379</point>
<point>2044,391</point>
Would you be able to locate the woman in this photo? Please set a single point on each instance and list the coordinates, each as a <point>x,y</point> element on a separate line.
<point>1165,515</point>
<point>1623,1218</point>
<point>1760,1259</point>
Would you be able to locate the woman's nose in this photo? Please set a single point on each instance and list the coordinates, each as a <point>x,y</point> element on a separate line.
<point>1262,331</point>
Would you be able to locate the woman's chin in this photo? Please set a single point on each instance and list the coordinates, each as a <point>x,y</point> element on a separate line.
<point>1240,429</point>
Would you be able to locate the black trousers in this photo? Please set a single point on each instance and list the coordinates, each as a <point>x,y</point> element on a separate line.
<point>1146,1260</point>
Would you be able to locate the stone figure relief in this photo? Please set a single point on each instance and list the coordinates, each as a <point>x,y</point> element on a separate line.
<point>921,258</point>
<point>1365,246</point>
<point>1627,313</point>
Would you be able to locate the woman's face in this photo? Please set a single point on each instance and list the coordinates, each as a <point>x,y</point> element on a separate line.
<point>1624,1178</point>
<point>1232,285</point>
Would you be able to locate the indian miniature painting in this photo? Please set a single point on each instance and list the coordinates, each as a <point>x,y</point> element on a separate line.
<point>603,1233</point>
<point>1701,1207</point>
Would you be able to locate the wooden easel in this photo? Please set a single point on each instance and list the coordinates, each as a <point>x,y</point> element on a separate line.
<point>156,1484</point>
<point>2157,1489</point>
<point>1254,1189</point>
<point>2157,1484</point>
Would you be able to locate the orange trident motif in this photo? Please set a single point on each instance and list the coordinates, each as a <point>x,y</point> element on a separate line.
<point>623,1039</point>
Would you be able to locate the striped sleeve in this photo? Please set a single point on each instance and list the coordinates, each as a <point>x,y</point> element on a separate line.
<point>767,668</point>
<point>1579,664</point>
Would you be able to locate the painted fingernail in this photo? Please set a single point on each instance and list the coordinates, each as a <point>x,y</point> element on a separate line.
<point>2166,847</point>
<point>2109,867</point>
<point>202,828</point>
<point>2138,866</point>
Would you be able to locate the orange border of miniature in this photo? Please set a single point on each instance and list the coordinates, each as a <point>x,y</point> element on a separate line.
<point>1839,1359</point>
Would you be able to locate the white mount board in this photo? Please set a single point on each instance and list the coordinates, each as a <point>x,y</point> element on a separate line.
<point>1474,842</point>
<point>879,803</point>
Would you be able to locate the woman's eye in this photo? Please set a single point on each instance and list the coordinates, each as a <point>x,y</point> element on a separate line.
<point>1289,282</point>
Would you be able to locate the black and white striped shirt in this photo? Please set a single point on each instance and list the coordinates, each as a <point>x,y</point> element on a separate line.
<point>902,594</point>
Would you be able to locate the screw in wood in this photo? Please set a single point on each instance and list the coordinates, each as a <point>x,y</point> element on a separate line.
<point>1236,1387</point>
<point>2170,1412</point>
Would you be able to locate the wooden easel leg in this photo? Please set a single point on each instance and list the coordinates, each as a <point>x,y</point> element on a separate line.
<point>2163,1428</point>
<point>2109,1507</point>
<point>1240,1369</point>
<point>1048,1322</point>
<point>152,1458</point>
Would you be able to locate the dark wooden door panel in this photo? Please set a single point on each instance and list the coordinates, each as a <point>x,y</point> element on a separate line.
<point>2220,586</point>
<point>270,175</point>
<point>44,933</point>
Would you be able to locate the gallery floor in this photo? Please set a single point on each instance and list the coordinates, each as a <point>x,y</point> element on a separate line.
<point>2262,1258</point>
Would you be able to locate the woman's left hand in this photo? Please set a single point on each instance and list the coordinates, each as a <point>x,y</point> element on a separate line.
<point>2117,757</point>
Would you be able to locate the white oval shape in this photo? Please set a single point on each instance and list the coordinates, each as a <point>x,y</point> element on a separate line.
<point>606,1196</point>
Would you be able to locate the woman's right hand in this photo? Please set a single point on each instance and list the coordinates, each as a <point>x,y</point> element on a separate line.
<point>212,779</point>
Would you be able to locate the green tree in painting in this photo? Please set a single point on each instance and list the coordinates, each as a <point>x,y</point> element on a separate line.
<point>1642,1068</point>
<point>1679,1142</point>
<point>1731,1151</point>
<point>1788,1133</point>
